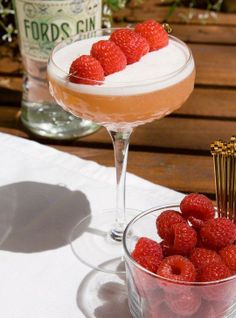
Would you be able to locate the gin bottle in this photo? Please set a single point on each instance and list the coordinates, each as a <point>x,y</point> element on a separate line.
<point>41,24</point>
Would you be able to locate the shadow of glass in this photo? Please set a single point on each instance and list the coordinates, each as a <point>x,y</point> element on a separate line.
<point>103,296</point>
<point>36,217</point>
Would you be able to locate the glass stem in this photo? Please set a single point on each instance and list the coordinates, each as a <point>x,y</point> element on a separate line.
<point>120,141</point>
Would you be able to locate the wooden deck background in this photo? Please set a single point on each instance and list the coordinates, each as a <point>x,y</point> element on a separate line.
<point>173,151</point>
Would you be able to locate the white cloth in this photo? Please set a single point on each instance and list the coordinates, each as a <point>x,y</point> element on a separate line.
<point>43,193</point>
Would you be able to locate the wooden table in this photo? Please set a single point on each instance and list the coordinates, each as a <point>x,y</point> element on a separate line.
<point>173,151</point>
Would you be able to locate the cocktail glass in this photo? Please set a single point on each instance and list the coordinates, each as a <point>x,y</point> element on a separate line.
<point>119,107</point>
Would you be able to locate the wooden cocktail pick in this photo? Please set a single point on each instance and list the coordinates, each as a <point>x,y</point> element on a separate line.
<point>167,27</point>
<point>224,160</point>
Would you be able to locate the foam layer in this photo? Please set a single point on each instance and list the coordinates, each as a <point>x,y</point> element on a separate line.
<point>156,70</point>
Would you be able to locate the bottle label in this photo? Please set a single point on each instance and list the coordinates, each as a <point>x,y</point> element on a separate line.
<point>43,23</point>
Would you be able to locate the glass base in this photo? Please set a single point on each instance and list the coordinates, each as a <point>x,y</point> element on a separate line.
<point>93,245</point>
<point>51,121</point>
<point>103,296</point>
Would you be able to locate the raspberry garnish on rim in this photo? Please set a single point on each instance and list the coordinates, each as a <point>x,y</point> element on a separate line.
<point>154,33</point>
<point>124,47</point>
<point>131,43</point>
<point>86,70</point>
<point>109,55</point>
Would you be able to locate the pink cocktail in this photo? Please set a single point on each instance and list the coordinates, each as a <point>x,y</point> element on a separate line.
<point>144,91</point>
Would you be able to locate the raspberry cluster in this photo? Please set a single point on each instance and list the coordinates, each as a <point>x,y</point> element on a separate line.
<point>124,47</point>
<point>196,246</point>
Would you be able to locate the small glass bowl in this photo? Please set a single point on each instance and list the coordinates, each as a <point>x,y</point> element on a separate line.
<point>152,296</point>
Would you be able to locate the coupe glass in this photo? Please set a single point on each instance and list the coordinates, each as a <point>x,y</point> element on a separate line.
<point>119,107</point>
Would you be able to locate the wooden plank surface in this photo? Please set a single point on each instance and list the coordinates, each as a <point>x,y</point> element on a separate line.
<point>171,133</point>
<point>216,64</point>
<point>203,33</point>
<point>174,151</point>
<point>170,170</point>
<point>210,102</point>
<point>207,58</point>
<point>153,10</point>
<point>13,83</point>
<point>185,134</point>
<point>204,102</point>
<point>162,168</point>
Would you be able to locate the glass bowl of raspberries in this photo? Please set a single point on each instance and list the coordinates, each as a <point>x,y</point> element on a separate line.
<point>181,261</point>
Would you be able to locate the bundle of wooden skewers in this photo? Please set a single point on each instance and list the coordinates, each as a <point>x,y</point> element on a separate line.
<point>224,158</point>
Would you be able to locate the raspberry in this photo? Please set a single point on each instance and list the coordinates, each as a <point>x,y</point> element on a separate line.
<point>219,291</point>
<point>150,262</point>
<point>184,304</point>
<point>205,311</point>
<point>154,33</point>
<point>161,311</point>
<point>152,301</point>
<point>202,257</point>
<point>178,268</point>
<point>165,222</point>
<point>196,223</point>
<point>228,255</point>
<point>167,249</point>
<point>217,233</point>
<point>146,285</point>
<point>148,254</point>
<point>198,206</point>
<point>214,271</point>
<point>185,238</point>
<point>86,70</point>
<point>199,240</point>
<point>133,45</point>
<point>109,55</point>
<point>221,307</point>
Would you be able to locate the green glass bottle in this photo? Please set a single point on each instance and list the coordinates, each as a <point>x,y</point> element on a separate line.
<point>41,24</point>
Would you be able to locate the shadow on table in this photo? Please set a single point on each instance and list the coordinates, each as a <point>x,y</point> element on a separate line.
<point>36,217</point>
<point>103,295</point>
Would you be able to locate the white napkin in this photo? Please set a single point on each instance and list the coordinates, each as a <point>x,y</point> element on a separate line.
<point>43,194</point>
